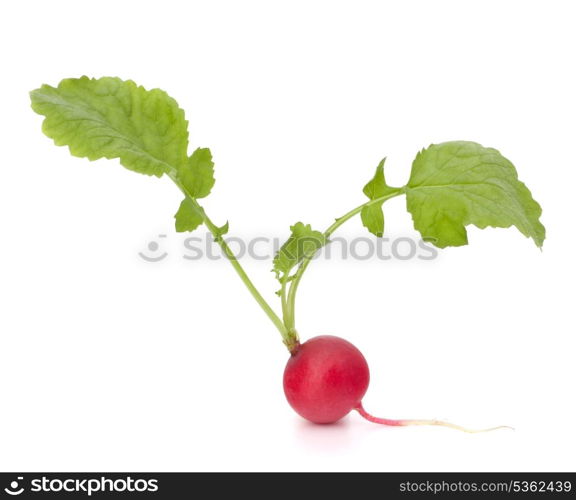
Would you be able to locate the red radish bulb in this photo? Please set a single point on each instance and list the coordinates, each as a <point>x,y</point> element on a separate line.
<point>326,377</point>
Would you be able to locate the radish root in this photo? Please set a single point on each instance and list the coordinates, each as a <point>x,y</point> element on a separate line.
<point>400,423</point>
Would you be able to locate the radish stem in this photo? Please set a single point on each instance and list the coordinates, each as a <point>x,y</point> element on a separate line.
<point>288,337</point>
<point>291,303</point>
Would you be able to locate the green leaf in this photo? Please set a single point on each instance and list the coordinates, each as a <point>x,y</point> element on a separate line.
<point>197,176</point>
<point>112,118</point>
<point>303,242</point>
<point>458,183</point>
<point>188,216</point>
<point>372,215</point>
<point>221,231</point>
<point>373,219</point>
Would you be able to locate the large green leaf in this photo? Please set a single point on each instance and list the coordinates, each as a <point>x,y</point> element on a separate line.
<point>112,118</point>
<point>455,184</point>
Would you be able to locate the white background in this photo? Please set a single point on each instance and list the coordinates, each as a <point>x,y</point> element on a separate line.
<point>111,363</point>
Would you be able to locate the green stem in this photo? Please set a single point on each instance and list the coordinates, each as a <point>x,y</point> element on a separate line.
<point>291,305</point>
<point>287,317</point>
<point>245,279</point>
<point>284,301</point>
<point>229,254</point>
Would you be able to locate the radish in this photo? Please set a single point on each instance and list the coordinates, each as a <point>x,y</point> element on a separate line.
<point>326,378</point>
<point>451,185</point>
